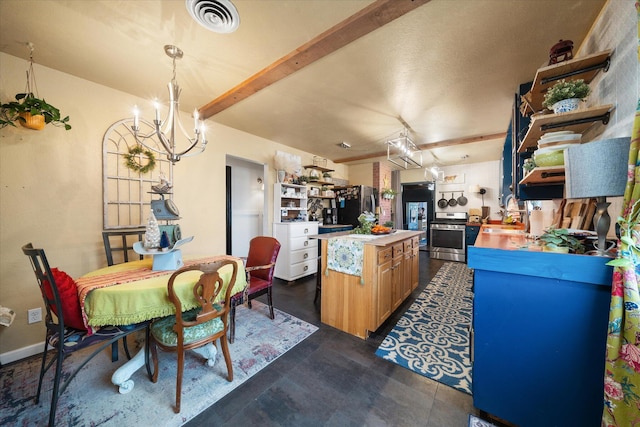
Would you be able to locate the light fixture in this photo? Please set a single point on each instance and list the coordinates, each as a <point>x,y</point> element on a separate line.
<point>403,152</point>
<point>435,172</point>
<point>165,130</point>
<point>597,170</point>
<point>482,191</point>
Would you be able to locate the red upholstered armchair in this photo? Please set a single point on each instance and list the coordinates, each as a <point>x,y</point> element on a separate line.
<point>260,265</point>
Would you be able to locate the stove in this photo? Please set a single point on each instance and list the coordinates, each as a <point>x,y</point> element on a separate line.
<point>447,236</point>
<point>450,218</point>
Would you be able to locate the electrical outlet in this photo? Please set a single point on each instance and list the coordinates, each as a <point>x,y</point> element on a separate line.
<point>35,315</point>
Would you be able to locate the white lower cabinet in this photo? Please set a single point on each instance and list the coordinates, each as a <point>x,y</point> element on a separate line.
<point>298,255</point>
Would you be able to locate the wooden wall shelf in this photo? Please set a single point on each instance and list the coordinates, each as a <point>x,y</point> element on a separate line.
<point>577,121</point>
<point>545,176</point>
<point>585,68</point>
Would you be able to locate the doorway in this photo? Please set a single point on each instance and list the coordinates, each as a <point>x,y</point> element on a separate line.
<point>245,204</point>
<point>418,209</point>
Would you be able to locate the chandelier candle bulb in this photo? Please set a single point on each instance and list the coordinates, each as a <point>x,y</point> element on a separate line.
<point>136,117</point>
<point>195,120</point>
<point>157,108</point>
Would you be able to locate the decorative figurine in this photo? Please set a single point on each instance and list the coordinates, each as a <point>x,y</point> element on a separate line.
<point>164,186</point>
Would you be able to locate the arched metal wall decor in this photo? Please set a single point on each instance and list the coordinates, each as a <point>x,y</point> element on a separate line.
<point>127,193</point>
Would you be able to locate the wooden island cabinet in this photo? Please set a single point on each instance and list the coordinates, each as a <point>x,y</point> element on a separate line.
<point>359,305</point>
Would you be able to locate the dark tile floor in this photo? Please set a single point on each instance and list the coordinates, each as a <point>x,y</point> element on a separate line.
<point>335,379</point>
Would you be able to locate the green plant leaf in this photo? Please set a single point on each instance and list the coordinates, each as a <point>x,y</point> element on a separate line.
<point>621,262</point>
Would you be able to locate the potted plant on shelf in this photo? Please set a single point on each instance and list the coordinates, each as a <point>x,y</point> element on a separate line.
<point>559,240</point>
<point>31,112</point>
<point>565,95</point>
<point>388,193</point>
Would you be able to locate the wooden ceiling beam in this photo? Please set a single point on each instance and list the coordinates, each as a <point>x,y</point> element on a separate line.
<point>429,146</point>
<point>372,17</point>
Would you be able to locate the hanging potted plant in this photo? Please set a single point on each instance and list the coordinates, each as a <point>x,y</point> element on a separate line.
<point>31,112</point>
<point>28,109</point>
<point>388,193</point>
<point>565,96</point>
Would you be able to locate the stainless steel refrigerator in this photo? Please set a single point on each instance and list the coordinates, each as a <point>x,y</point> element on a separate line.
<point>352,200</point>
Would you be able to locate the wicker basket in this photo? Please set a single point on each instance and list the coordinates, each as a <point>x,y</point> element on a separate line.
<point>32,122</point>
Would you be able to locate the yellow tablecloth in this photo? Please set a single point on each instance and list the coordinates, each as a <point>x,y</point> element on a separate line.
<point>145,299</point>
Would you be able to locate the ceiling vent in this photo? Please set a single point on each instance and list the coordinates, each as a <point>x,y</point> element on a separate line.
<point>219,16</point>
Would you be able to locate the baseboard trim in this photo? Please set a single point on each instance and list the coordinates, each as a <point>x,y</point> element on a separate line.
<point>21,353</point>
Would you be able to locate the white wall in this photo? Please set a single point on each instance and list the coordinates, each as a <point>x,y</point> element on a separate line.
<point>485,174</point>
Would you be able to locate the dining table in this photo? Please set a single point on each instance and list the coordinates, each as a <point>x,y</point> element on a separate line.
<point>132,292</point>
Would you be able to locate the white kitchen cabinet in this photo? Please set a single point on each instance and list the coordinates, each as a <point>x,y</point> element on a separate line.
<point>298,254</point>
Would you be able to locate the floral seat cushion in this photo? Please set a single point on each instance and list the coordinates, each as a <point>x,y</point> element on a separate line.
<point>163,332</point>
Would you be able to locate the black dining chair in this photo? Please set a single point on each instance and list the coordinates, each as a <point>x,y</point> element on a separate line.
<point>63,338</point>
<point>122,240</point>
<point>116,241</point>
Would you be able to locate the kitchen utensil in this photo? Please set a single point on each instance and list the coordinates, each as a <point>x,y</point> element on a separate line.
<point>462,200</point>
<point>452,201</point>
<point>442,203</point>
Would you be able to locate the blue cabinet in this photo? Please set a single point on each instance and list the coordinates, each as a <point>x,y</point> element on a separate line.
<point>471,234</point>
<point>539,336</point>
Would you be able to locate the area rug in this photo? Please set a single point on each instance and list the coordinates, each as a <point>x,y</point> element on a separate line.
<point>477,422</point>
<point>91,399</point>
<point>432,337</point>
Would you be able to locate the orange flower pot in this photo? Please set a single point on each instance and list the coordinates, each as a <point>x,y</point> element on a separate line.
<point>32,122</point>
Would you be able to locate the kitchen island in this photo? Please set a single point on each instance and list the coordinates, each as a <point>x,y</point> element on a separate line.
<point>382,271</point>
<point>539,331</point>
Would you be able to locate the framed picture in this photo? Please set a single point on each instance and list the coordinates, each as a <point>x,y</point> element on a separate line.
<point>453,179</point>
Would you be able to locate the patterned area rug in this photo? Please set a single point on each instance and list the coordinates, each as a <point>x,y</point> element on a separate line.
<point>432,337</point>
<point>477,422</point>
<point>91,399</point>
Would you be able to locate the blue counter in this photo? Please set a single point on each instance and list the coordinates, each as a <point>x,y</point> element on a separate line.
<point>539,335</point>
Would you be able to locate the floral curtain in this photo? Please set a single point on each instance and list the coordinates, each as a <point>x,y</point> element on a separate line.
<point>622,369</point>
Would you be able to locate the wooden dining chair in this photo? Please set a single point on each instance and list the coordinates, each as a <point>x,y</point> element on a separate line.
<point>260,264</point>
<point>197,327</point>
<point>57,290</point>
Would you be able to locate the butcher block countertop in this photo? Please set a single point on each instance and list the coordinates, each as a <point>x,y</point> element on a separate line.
<point>503,236</point>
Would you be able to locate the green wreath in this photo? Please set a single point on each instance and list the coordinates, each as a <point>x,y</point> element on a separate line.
<point>132,161</point>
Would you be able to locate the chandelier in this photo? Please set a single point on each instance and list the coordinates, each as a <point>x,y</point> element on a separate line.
<point>403,152</point>
<point>165,130</point>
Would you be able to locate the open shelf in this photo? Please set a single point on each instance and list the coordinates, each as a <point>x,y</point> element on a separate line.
<point>320,182</point>
<point>577,121</point>
<point>319,168</point>
<point>545,175</point>
<point>585,68</point>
